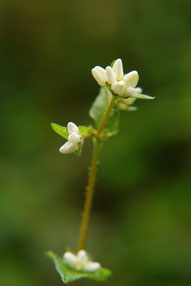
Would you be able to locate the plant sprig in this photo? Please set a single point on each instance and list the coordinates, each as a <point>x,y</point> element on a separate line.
<point>118,91</point>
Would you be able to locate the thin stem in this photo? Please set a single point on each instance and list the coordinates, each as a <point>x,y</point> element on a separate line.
<point>106,115</point>
<point>89,195</point>
<point>92,176</point>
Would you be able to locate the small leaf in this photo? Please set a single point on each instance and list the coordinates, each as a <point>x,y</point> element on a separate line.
<point>84,131</point>
<point>97,111</point>
<point>68,274</point>
<point>62,131</point>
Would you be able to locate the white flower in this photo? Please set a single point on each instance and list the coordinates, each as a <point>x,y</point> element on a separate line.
<point>74,139</point>
<point>80,262</point>
<point>121,84</point>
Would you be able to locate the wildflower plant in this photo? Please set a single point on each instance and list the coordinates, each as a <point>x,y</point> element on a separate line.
<point>118,91</point>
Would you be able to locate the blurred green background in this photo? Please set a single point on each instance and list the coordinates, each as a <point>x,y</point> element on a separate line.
<point>141,219</point>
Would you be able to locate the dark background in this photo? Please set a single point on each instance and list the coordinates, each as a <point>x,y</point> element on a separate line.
<point>141,220</point>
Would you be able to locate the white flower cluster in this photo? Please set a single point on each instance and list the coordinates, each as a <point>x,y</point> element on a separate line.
<point>74,139</point>
<point>80,262</point>
<point>121,84</point>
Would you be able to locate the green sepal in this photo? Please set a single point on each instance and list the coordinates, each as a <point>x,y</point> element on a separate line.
<point>112,63</point>
<point>98,109</point>
<point>68,274</point>
<point>80,147</point>
<point>61,130</point>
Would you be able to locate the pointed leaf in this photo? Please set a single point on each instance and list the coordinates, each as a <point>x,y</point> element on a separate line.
<point>62,131</point>
<point>68,274</point>
<point>142,96</point>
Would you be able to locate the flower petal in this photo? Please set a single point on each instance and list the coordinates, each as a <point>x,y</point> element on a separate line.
<point>118,87</point>
<point>118,69</point>
<point>129,100</point>
<point>70,258</point>
<point>82,255</point>
<point>131,79</point>
<point>92,266</point>
<point>111,76</point>
<point>100,75</point>
<point>130,91</point>
<point>72,128</point>
<point>131,108</point>
<point>139,90</point>
<point>74,137</point>
<point>68,148</point>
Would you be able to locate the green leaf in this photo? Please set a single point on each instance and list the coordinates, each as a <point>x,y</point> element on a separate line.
<point>68,274</point>
<point>84,131</point>
<point>97,111</point>
<point>62,131</point>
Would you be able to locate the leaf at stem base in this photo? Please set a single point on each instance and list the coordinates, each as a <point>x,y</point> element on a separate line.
<point>68,274</point>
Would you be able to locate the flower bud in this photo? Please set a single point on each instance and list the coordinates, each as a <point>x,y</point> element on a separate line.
<point>74,137</point>
<point>100,75</point>
<point>68,148</point>
<point>118,87</point>
<point>69,258</point>
<point>111,76</point>
<point>131,79</point>
<point>118,69</point>
<point>72,128</point>
<point>92,266</point>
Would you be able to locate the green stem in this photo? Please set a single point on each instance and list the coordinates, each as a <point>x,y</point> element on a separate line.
<point>92,177</point>
<point>89,194</point>
<point>106,115</point>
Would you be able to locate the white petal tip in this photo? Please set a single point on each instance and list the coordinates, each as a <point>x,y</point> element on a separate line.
<point>70,259</point>
<point>99,75</point>
<point>118,61</point>
<point>131,79</point>
<point>82,253</point>
<point>68,148</point>
<point>92,266</point>
<point>118,69</point>
<point>72,127</point>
